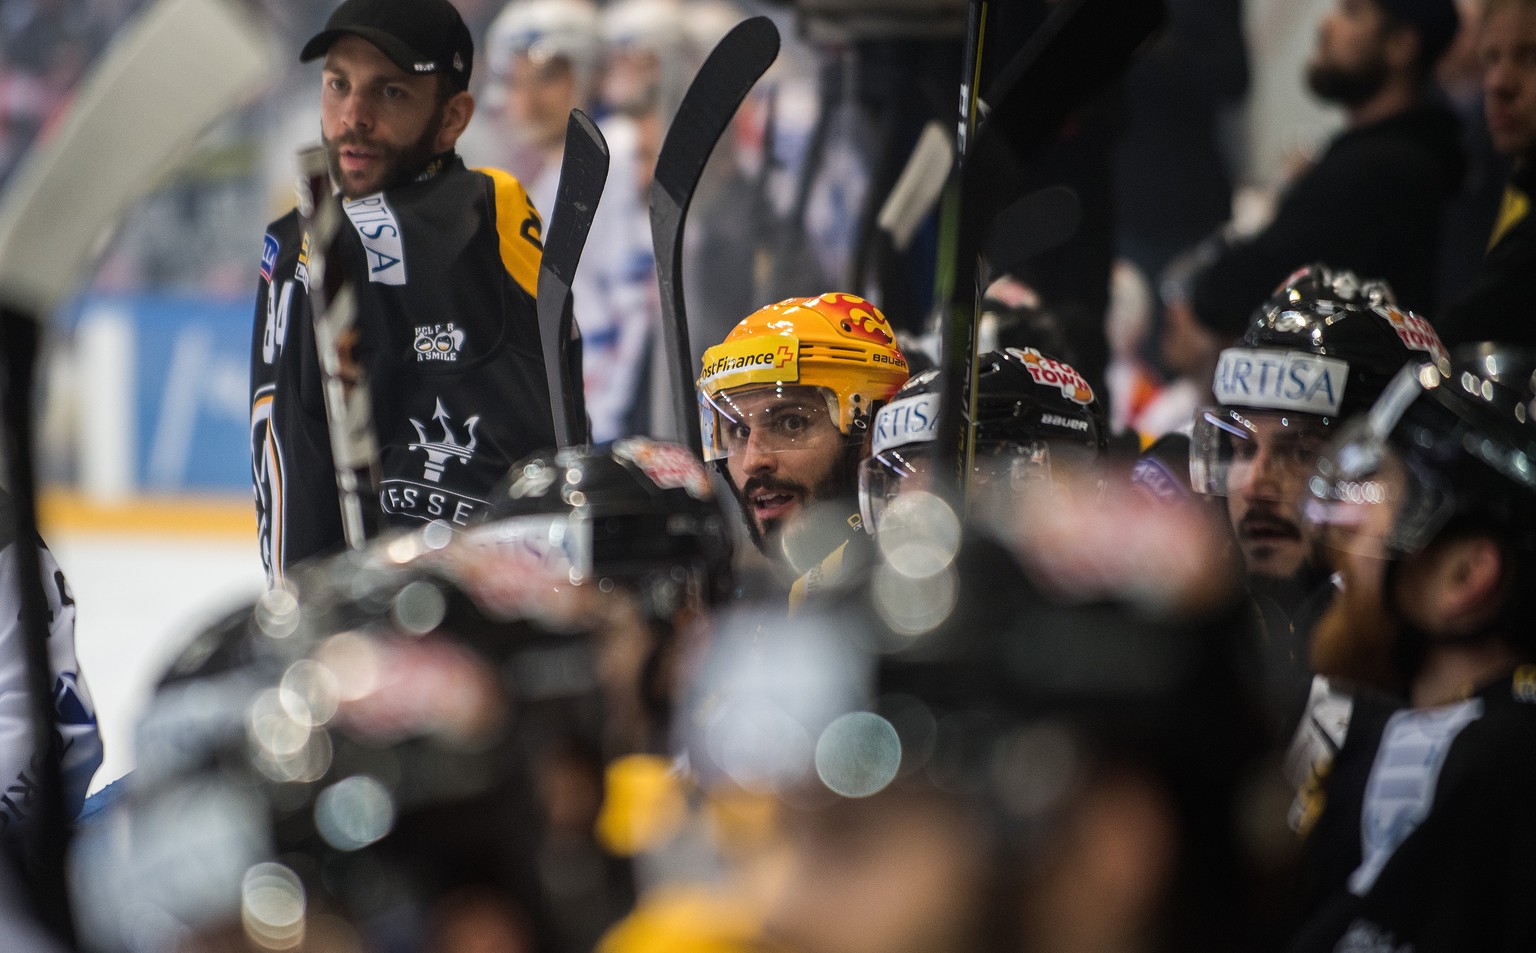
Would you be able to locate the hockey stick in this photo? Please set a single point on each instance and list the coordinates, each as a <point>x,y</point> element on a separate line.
<point>176,68</point>
<point>583,173</point>
<point>344,383</point>
<point>956,290</point>
<point>711,102</point>
<point>1081,46</point>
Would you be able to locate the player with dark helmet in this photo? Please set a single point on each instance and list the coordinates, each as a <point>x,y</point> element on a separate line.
<point>1319,351</point>
<point>1427,506</point>
<point>348,763</point>
<point>1034,413</point>
<point>971,744</point>
<point>481,679</point>
<point>637,516</point>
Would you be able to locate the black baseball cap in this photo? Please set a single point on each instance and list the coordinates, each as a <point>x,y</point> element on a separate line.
<point>1435,21</point>
<point>419,36</point>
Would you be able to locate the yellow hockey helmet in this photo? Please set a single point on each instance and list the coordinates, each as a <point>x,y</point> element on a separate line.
<point>839,344</point>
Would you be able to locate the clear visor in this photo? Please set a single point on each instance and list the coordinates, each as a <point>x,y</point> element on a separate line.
<point>1367,497</point>
<point>767,419</point>
<point>1003,471</point>
<point>1233,450</point>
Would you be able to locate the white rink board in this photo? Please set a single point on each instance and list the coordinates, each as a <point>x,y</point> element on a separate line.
<point>138,600</point>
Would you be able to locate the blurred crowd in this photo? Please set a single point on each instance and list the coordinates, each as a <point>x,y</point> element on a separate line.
<point>45,47</point>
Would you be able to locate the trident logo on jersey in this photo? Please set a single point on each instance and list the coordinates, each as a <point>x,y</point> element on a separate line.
<point>1049,372</point>
<point>439,452</point>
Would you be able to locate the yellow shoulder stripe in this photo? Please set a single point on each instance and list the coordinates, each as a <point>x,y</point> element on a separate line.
<point>1516,206</point>
<point>520,229</point>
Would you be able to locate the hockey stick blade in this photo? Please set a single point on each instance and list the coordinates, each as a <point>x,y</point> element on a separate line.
<point>170,74</point>
<point>174,70</point>
<point>1036,223</point>
<point>1082,46</point>
<point>583,174</point>
<point>717,91</point>
<point>918,188</point>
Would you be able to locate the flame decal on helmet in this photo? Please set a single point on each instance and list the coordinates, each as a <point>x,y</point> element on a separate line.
<point>857,317</point>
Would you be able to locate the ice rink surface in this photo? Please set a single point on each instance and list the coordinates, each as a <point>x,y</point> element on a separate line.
<point>143,584</point>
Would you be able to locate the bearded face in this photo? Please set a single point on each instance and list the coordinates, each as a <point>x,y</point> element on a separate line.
<point>1356,637</point>
<point>1349,64</point>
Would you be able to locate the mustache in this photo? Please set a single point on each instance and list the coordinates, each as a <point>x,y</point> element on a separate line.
<point>772,485</point>
<point>1252,523</point>
<point>356,139</point>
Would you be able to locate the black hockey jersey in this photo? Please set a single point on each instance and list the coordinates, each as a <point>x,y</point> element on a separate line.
<point>1431,831</point>
<point>446,269</point>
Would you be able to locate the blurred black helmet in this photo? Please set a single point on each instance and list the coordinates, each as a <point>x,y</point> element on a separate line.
<point>1451,441</point>
<point>1025,394</point>
<point>1032,410</point>
<point>1321,349</point>
<point>961,671</point>
<point>1332,314</point>
<point>349,752</point>
<point>640,512</point>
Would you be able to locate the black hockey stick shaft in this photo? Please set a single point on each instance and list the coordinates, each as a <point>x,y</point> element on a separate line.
<point>717,91</point>
<point>344,383</point>
<point>1079,48</point>
<point>583,174</point>
<point>957,286</point>
<point>111,146</point>
<point>46,840</point>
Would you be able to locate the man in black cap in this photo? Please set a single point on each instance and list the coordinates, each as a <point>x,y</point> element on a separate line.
<point>443,261</point>
<point>1373,201</point>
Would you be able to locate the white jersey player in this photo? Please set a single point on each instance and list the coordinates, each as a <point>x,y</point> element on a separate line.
<point>74,711</point>
<point>544,58</point>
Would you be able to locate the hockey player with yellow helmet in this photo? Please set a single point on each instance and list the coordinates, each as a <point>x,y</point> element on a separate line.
<point>785,405</point>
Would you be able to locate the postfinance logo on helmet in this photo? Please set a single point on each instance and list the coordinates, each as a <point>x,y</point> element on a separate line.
<point>751,361</point>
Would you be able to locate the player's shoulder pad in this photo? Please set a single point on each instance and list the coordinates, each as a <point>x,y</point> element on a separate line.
<point>519,228</point>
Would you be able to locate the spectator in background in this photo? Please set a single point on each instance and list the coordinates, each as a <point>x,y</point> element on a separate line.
<point>1500,304</point>
<point>545,59</point>
<point>647,71</point>
<point>1470,217</point>
<point>75,713</point>
<point>1173,161</point>
<point>1374,200</point>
